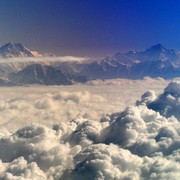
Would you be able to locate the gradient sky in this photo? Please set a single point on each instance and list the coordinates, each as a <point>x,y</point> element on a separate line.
<point>90,27</point>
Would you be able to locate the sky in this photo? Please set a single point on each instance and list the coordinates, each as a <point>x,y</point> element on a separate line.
<point>90,27</point>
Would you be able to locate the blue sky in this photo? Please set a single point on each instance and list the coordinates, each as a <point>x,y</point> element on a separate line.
<point>90,27</point>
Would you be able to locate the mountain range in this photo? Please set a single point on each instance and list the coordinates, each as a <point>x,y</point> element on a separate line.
<point>156,61</point>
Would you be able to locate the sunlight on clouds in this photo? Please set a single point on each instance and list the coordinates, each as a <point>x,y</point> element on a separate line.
<point>44,59</point>
<point>60,132</point>
<point>51,104</point>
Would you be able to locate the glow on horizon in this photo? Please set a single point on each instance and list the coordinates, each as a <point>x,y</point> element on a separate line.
<point>90,28</point>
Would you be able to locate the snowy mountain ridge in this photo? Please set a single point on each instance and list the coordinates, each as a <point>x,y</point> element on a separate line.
<point>157,61</point>
<point>11,49</point>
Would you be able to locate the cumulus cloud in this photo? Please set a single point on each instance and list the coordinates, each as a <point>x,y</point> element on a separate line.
<point>102,161</point>
<point>138,142</point>
<point>168,103</point>
<point>51,104</point>
<point>39,144</point>
<point>21,169</point>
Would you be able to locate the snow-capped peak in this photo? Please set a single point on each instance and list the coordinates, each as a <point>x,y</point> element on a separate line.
<point>16,50</point>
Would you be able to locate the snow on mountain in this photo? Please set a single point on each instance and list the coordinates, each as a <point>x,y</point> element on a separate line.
<point>10,50</point>
<point>36,54</point>
<point>157,61</point>
<point>155,53</point>
<point>159,52</point>
<point>43,74</point>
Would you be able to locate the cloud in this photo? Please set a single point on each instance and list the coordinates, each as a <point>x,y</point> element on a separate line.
<point>137,142</point>
<point>36,144</point>
<point>21,169</point>
<point>102,161</point>
<point>168,103</point>
<point>44,59</point>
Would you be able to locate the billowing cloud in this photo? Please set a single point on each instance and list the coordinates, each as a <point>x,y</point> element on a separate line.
<point>52,104</point>
<point>138,142</point>
<point>102,161</point>
<point>21,169</point>
<point>168,103</point>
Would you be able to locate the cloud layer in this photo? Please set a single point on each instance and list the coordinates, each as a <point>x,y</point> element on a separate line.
<point>139,142</point>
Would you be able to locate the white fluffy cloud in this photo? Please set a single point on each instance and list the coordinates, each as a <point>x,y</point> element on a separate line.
<point>102,161</point>
<point>168,103</point>
<point>37,149</point>
<point>139,142</point>
<point>52,104</point>
<point>21,169</point>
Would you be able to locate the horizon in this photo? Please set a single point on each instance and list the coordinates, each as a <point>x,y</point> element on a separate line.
<point>90,89</point>
<point>76,58</point>
<point>90,28</point>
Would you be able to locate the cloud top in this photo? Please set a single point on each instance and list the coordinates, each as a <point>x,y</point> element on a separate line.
<point>140,142</point>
